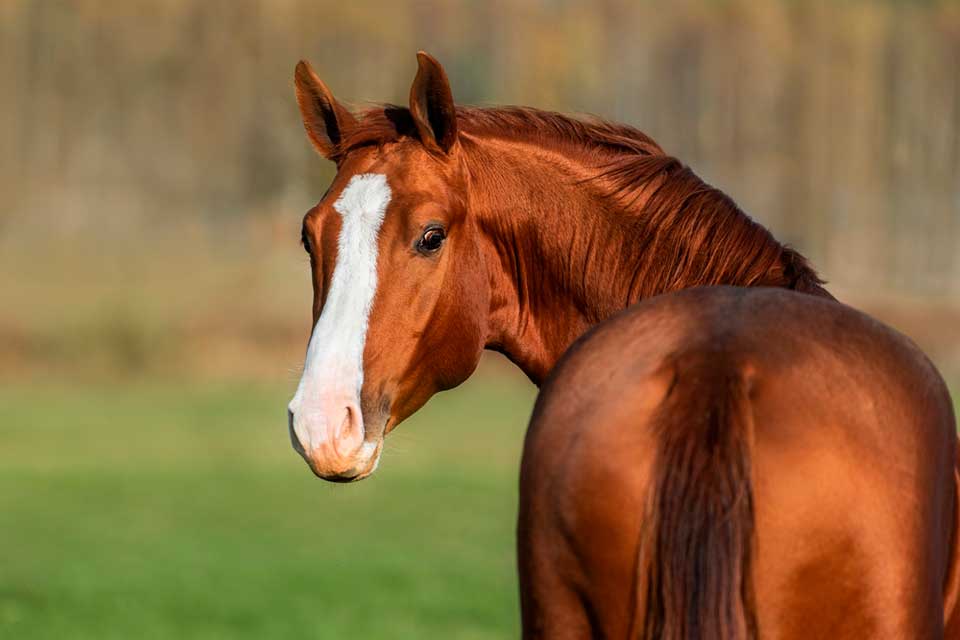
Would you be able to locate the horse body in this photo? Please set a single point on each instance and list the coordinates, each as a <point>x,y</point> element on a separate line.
<point>448,230</point>
<point>719,461</point>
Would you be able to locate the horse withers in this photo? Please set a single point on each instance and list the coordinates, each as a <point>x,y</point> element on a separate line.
<point>740,463</point>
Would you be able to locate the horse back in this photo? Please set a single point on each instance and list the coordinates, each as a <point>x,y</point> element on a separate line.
<point>851,469</point>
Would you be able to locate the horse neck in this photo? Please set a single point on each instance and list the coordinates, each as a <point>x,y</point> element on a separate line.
<point>566,251</point>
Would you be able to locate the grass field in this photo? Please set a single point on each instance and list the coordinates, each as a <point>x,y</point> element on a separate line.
<point>180,511</point>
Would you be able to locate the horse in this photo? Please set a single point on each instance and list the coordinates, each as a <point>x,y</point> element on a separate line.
<point>724,462</point>
<point>448,230</point>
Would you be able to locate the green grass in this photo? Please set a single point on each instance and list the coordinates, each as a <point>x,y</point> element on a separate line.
<point>180,511</point>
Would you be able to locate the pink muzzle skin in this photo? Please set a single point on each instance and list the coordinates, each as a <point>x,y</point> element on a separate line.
<point>329,433</point>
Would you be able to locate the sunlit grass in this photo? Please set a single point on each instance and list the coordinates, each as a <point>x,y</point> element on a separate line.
<point>173,511</point>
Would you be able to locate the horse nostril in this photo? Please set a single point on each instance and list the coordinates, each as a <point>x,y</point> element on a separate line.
<point>345,424</point>
<point>349,433</point>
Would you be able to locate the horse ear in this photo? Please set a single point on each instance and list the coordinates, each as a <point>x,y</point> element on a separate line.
<point>431,105</point>
<point>325,119</point>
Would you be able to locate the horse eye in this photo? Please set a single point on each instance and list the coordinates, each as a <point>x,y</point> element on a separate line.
<point>431,240</point>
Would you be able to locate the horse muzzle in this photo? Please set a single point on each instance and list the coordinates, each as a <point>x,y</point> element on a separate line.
<point>331,440</point>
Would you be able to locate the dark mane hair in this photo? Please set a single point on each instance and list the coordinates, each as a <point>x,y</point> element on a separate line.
<point>701,236</point>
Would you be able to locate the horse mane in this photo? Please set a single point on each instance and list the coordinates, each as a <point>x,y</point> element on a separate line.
<point>692,233</point>
<point>384,124</point>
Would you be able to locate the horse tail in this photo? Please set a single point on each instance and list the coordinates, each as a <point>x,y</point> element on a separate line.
<point>694,579</point>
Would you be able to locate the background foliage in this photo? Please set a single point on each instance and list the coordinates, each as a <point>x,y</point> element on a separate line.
<point>152,149</point>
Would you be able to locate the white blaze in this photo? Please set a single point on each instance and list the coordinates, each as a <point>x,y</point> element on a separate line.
<point>334,363</point>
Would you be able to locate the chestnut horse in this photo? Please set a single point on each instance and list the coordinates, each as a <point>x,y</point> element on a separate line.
<point>448,230</point>
<point>736,463</point>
